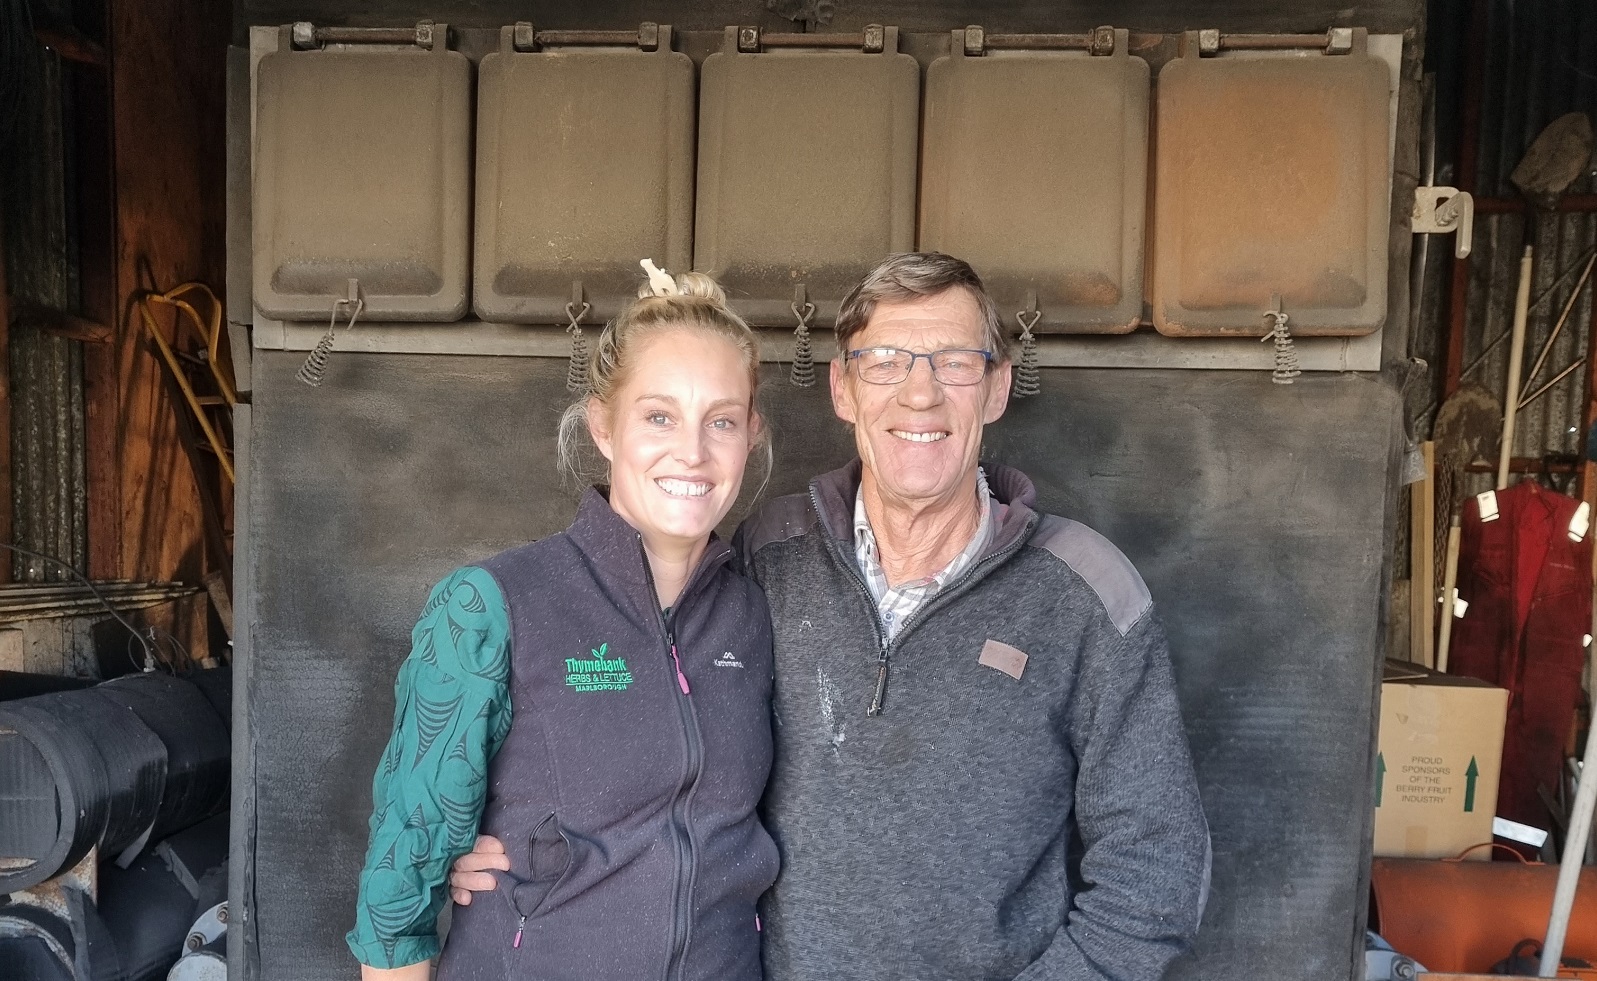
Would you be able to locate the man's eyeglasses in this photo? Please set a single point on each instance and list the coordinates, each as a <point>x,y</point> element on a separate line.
<point>889,365</point>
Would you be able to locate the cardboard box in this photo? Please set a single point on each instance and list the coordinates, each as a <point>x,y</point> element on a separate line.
<point>1438,757</point>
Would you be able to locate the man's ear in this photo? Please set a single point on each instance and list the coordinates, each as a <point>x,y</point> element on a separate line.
<point>599,422</point>
<point>998,393</point>
<point>842,402</point>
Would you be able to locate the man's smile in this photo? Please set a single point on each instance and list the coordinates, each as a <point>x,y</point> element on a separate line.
<point>919,437</point>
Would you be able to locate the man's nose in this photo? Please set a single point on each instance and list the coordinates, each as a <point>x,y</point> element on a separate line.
<point>921,389</point>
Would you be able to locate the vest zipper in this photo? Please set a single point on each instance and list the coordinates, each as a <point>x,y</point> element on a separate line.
<point>682,838</point>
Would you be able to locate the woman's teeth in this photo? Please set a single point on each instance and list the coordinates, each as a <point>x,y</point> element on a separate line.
<point>918,437</point>
<point>683,488</point>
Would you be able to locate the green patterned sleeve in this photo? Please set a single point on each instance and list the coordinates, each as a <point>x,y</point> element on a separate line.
<point>451,714</point>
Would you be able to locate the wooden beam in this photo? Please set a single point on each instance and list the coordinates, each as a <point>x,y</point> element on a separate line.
<point>59,322</point>
<point>167,127</point>
<point>1422,562</point>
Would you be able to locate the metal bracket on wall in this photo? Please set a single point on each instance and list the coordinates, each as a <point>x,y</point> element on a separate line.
<point>306,36</point>
<point>1439,210</point>
<point>1336,41</point>
<point>1101,42</point>
<point>872,40</point>
<point>648,37</point>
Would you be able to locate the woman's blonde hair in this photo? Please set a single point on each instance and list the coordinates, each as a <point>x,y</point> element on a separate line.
<point>693,301</point>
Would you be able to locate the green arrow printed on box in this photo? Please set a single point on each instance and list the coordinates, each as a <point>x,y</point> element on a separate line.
<point>1469,785</point>
<point>1380,776</point>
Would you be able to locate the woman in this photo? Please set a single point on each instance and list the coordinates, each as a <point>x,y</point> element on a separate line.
<point>599,698</point>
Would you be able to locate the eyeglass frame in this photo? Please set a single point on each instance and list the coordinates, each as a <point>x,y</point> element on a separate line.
<point>987,363</point>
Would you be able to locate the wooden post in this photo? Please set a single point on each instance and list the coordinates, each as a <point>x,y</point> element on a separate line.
<point>1422,562</point>
<point>167,126</point>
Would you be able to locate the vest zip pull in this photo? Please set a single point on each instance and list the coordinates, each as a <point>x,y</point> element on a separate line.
<point>516,943</point>
<point>682,679</point>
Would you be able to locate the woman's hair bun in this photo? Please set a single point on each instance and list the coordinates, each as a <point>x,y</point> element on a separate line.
<point>695,285</point>
<point>699,285</point>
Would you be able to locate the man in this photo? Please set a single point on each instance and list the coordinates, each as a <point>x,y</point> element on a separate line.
<point>980,768</point>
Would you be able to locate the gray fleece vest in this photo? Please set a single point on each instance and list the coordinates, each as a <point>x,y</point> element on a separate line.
<point>625,793</point>
<point>1024,804</point>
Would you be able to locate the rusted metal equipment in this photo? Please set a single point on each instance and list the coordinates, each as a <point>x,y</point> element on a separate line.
<point>1273,177</point>
<point>1453,915</point>
<point>558,236</point>
<point>395,103</point>
<point>806,166</point>
<point>1056,114</point>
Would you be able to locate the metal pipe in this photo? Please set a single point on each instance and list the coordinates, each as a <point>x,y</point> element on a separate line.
<point>1547,346</point>
<point>1039,42</point>
<point>1271,42</point>
<point>1574,853</point>
<point>1527,400</point>
<point>546,38</point>
<point>1516,362</point>
<point>303,34</point>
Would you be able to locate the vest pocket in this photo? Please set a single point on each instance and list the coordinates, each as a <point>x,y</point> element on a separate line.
<point>548,861</point>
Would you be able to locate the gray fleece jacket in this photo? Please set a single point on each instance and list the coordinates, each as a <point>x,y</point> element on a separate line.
<point>1024,805</point>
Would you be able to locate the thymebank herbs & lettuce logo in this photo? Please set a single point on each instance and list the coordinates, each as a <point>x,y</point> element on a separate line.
<point>598,673</point>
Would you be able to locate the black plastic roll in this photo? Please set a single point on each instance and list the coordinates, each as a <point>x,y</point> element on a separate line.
<point>196,741</point>
<point>125,762</point>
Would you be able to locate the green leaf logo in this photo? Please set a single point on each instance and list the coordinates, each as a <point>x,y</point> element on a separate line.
<point>599,654</point>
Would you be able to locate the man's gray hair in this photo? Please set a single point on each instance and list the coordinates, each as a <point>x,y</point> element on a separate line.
<point>909,275</point>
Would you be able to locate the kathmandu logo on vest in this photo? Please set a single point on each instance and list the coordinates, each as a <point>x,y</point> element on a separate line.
<point>599,674</point>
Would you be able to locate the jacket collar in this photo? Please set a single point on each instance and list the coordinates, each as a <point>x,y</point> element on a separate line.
<point>833,496</point>
<point>616,548</point>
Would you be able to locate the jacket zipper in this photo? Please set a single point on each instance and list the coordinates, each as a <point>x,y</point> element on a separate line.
<point>882,645</point>
<point>682,838</point>
<point>886,647</point>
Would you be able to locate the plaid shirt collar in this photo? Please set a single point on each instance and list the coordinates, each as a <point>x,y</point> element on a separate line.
<point>894,606</point>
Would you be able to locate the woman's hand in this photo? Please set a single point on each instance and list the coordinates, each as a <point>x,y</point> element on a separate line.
<point>472,871</point>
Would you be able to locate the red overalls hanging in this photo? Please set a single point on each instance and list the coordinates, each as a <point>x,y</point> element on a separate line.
<point>1525,563</point>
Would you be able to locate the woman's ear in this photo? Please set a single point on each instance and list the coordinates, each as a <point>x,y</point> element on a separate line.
<point>599,427</point>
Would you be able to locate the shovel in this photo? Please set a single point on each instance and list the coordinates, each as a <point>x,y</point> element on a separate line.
<point>1555,159</point>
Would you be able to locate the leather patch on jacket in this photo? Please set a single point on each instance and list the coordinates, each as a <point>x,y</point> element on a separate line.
<point>1009,660</point>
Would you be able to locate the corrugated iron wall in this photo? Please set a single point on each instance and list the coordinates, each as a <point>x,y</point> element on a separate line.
<point>49,484</point>
<point>1540,62</point>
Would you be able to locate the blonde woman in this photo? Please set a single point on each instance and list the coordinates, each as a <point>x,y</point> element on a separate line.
<point>598,700</point>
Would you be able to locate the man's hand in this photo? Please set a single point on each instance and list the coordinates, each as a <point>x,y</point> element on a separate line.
<point>472,871</point>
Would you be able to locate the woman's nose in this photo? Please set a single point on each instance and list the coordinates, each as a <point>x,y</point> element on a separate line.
<point>689,446</point>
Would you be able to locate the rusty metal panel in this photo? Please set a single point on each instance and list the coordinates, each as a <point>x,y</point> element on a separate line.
<point>1034,168</point>
<point>806,172</point>
<point>362,171</point>
<point>584,166</point>
<point>1273,176</point>
<point>49,484</point>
